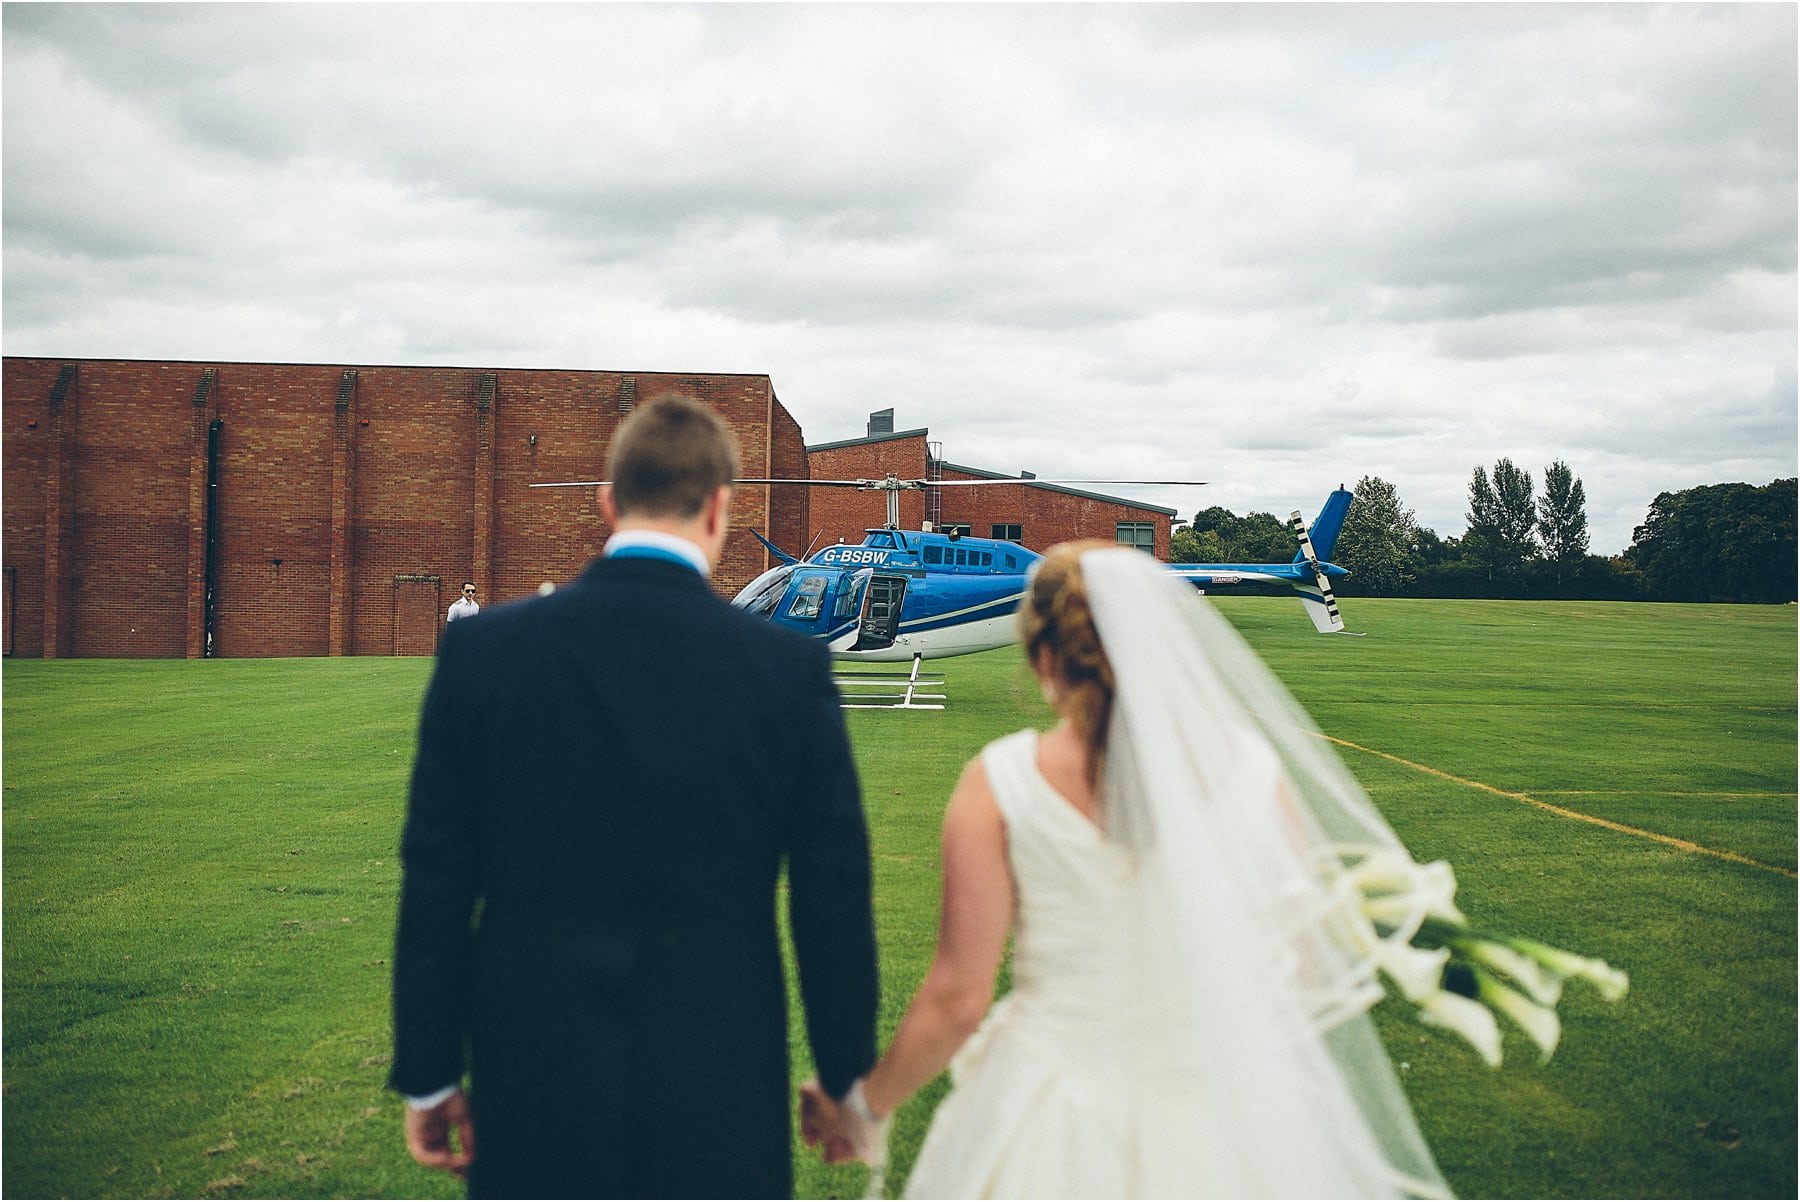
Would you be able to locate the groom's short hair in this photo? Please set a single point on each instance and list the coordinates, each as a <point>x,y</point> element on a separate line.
<point>669,457</point>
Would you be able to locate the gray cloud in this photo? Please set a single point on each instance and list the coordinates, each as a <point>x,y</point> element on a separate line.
<point>1274,246</point>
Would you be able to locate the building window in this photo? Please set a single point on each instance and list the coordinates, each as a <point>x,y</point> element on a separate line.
<point>1013,533</point>
<point>1141,535</point>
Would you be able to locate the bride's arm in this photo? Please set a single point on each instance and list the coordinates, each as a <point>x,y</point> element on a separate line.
<point>977,912</point>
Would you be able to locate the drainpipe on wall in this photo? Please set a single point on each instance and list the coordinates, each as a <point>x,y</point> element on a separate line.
<point>211,567</point>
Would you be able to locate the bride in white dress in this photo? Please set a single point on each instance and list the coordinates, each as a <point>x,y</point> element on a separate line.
<point>1185,1020</point>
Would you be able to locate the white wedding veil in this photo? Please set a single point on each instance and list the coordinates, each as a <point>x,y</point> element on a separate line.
<point>1240,819</point>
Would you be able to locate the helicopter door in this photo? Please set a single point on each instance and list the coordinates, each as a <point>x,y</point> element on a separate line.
<point>880,620</point>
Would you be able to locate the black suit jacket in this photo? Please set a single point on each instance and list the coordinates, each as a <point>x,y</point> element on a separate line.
<point>608,783</point>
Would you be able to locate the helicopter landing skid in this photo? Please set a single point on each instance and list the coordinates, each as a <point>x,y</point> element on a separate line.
<point>889,690</point>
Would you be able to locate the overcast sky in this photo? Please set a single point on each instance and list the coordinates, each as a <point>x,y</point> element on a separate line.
<point>1275,247</point>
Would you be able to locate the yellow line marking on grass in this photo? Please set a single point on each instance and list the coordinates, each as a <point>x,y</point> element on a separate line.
<point>1562,812</point>
<point>1658,793</point>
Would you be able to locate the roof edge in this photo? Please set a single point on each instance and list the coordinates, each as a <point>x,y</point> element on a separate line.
<point>866,441</point>
<point>1033,482</point>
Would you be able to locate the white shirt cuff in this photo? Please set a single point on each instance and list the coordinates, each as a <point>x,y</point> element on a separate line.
<point>427,1101</point>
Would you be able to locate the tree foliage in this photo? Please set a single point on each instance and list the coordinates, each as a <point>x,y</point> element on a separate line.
<point>1190,546</point>
<point>1257,538</point>
<point>1379,538</point>
<point>1719,542</point>
<point>1502,518</point>
<point>1562,515</point>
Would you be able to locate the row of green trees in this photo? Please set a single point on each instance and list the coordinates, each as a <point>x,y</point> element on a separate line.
<point>1720,542</point>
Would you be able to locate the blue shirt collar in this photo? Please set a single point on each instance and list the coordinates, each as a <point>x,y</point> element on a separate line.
<point>654,544</point>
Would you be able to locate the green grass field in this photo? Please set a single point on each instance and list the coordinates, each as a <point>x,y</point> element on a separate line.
<point>199,880</point>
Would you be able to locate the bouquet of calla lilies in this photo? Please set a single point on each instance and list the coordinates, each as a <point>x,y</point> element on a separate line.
<point>1403,916</point>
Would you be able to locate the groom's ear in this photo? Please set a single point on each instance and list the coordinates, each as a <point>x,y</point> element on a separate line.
<point>719,511</point>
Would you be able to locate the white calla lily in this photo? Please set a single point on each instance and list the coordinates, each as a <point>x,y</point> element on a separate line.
<point>1539,1022</point>
<point>1465,1017</point>
<point>1396,911</point>
<point>1384,871</point>
<point>1437,882</point>
<point>1379,902</point>
<point>1399,894</point>
<point>1611,982</point>
<point>1542,985</point>
<point>1416,972</point>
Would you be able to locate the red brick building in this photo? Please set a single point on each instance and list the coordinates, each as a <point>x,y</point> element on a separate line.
<point>169,509</point>
<point>161,509</point>
<point>1032,512</point>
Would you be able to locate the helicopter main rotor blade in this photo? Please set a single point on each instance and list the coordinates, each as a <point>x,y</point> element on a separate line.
<point>888,485</point>
<point>821,483</point>
<point>1036,480</point>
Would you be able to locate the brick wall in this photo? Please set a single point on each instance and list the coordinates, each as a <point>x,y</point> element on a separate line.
<point>350,502</point>
<point>844,514</point>
<point>1046,515</point>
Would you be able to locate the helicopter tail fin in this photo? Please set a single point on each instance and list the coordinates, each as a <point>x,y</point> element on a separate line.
<point>1325,528</point>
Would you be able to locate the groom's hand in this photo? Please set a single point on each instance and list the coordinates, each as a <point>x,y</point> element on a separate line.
<point>845,1134</point>
<point>822,1122</point>
<point>428,1135</point>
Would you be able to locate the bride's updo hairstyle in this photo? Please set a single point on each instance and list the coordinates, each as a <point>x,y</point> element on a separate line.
<point>1054,617</point>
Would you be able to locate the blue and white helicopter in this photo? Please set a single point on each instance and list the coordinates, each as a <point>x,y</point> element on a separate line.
<point>905,595</point>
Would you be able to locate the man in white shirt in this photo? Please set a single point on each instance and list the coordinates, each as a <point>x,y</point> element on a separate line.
<point>464,607</point>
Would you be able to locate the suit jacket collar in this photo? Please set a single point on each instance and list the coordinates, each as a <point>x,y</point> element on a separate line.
<point>661,572</point>
<point>654,544</point>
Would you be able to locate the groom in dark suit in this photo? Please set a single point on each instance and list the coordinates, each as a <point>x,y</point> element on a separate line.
<point>608,784</point>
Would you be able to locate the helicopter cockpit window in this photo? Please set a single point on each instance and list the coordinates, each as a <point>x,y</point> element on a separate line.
<point>882,539</point>
<point>809,599</point>
<point>761,595</point>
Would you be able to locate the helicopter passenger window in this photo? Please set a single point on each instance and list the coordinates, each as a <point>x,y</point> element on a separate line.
<point>962,557</point>
<point>987,559</point>
<point>934,555</point>
<point>849,597</point>
<point>1012,563</point>
<point>809,598</point>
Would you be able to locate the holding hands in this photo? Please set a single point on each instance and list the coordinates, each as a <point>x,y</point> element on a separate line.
<point>844,1129</point>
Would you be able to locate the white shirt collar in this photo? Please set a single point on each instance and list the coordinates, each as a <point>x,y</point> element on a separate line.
<point>659,541</point>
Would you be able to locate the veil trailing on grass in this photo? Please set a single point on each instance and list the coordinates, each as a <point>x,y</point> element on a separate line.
<point>1250,962</point>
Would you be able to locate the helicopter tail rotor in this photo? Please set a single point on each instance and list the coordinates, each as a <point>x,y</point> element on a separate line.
<point>1320,602</point>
